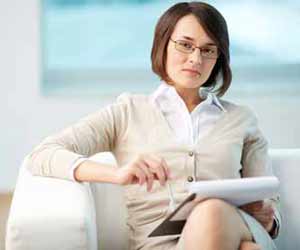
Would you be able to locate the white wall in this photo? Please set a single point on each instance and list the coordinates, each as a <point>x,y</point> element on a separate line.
<point>27,117</point>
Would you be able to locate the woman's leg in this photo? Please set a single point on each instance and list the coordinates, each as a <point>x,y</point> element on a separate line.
<point>249,245</point>
<point>216,225</point>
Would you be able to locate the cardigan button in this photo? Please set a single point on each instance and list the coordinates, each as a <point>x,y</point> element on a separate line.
<point>191,153</point>
<point>190,178</point>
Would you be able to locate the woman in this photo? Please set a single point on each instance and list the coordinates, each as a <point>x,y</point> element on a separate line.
<point>181,133</point>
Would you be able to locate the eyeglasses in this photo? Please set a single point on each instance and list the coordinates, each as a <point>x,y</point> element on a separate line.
<point>208,51</point>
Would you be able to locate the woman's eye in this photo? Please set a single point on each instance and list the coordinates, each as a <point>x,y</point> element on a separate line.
<point>211,51</point>
<point>208,50</point>
<point>187,45</point>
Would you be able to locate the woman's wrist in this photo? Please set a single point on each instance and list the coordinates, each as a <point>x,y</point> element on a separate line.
<point>92,171</point>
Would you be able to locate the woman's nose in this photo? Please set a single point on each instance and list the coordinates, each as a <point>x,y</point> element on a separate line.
<point>196,56</point>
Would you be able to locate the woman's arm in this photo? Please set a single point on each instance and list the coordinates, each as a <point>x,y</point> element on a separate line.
<point>256,162</point>
<point>91,171</point>
<point>144,169</point>
<point>98,132</point>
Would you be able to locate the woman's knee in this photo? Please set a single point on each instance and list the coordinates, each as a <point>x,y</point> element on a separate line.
<point>219,216</point>
<point>209,216</point>
<point>249,245</point>
<point>212,210</point>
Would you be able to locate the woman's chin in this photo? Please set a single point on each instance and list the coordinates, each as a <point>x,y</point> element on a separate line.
<point>188,82</point>
<point>191,84</point>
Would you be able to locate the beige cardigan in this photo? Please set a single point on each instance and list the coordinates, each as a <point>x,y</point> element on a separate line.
<point>234,148</point>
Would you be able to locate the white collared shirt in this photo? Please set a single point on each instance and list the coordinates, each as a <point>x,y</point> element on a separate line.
<point>188,127</point>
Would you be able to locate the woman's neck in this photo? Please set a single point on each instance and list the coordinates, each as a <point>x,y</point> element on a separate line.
<point>190,97</point>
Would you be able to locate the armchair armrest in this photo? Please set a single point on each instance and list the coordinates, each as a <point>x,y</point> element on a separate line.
<point>49,214</point>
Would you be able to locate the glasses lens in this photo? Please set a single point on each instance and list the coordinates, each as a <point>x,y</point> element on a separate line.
<point>183,46</point>
<point>209,52</point>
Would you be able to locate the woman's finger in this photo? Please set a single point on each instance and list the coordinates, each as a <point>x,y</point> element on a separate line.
<point>264,220</point>
<point>166,169</point>
<point>267,212</point>
<point>254,206</point>
<point>263,216</point>
<point>156,168</point>
<point>140,175</point>
<point>148,174</point>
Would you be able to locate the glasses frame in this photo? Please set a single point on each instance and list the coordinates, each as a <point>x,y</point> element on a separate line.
<point>193,49</point>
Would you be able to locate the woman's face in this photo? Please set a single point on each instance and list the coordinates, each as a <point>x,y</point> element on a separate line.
<point>189,70</point>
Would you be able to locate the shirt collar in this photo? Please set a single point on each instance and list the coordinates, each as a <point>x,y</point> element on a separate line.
<point>212,98</point>
<point>166,91</point>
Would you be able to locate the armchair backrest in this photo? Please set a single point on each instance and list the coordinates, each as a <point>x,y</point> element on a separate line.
<point>286,166</point>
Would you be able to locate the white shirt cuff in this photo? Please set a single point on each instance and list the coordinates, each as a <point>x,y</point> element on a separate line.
<point>74,165</point>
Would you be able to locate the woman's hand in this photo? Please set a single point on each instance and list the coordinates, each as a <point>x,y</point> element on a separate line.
<point>262,211</point>
<point>144,169</point>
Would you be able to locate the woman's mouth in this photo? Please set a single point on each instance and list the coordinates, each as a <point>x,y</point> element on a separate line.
<point>191,72</point>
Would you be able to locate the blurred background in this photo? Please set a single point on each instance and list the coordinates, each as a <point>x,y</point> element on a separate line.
<point>62,59</point>
<point>92,47</point>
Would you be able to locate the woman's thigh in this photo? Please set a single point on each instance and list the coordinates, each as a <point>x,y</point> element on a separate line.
<point>221,212</point>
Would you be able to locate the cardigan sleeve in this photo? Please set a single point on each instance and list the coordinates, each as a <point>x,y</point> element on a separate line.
<point>97,132</point>
<point>256,162</point>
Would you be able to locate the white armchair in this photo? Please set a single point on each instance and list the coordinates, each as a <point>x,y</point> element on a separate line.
<point>50,214</point>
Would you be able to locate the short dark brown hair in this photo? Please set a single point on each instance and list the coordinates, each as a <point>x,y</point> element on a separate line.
<point>214,25</point>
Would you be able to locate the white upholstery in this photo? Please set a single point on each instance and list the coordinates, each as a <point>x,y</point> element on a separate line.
<point>47,213</point>
<point>286,166</point>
